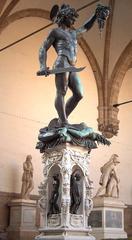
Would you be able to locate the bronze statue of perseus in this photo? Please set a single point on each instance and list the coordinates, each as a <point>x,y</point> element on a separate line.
<point>64,40</point>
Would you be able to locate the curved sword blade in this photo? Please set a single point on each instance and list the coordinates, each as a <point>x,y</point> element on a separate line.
<point>60,70</point>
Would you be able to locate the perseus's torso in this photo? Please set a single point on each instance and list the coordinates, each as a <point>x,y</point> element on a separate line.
<point>65,44</point>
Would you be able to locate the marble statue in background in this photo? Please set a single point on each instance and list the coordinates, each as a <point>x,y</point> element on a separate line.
<point>27,178</point>
<point>75,193</point>
<point>54,208</point>
<point>109,180</point>
<point>112,188</point>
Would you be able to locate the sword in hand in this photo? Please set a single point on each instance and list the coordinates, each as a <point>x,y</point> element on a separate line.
<point>44,71</point>
<point>48,71</point>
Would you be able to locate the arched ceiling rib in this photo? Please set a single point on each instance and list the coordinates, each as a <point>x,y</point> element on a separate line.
<point>2,4</point>
<point>123,64</point>
<point>31,12</point>
<point>7,11</point>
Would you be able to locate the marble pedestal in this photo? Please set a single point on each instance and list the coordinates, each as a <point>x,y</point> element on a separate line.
<point>65,160</point>
<point>107,218</point>
<point>64,234</point>
<point>22,220</point>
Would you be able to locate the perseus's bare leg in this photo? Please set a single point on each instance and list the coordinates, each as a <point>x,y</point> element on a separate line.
<point>61,81</point>
<point>77,90</point>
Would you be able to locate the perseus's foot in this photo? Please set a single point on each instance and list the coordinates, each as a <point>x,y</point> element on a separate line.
<point>57,123</point>
<point>63,123</point>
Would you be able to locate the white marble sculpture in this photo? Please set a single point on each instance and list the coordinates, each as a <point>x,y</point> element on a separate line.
<point>109,180</point>
<point>27,178</point>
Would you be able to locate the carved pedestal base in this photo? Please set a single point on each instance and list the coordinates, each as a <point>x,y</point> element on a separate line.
<point>71,222</point>
<point>64,234</point>
<point>107,218</point>
<point>22,220</point>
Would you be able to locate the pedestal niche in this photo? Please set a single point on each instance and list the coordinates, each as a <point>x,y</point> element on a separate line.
<point>22,224</point>
<point>107,218</point>
<point>65,194</point>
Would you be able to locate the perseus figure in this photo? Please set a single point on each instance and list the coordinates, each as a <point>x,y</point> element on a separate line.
<point>64,40</point>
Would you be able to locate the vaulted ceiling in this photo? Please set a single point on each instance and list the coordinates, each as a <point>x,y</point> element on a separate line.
<point>109,66</point>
